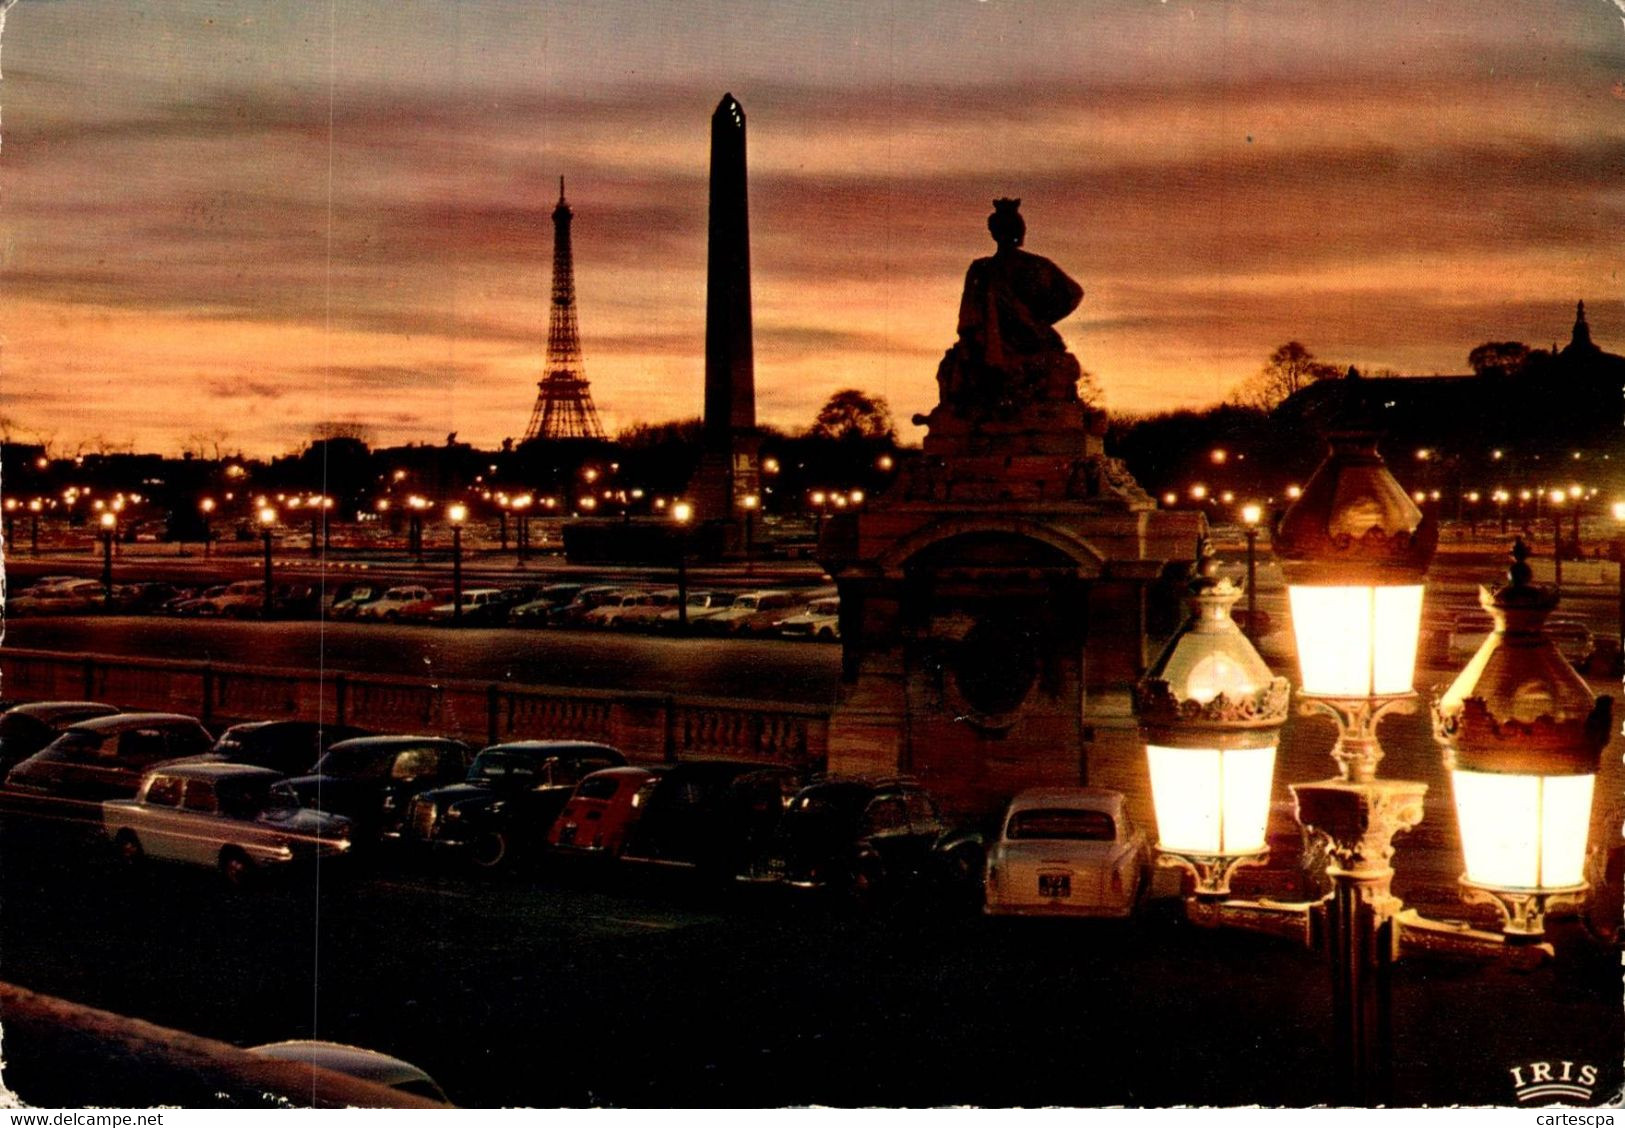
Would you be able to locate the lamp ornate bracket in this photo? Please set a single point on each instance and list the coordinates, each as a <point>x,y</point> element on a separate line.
<point>1211,871</point>
<point>1357,751</point>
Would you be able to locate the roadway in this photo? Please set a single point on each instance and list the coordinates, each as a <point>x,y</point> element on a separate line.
<point>645,989</point>
<point>769,669</point>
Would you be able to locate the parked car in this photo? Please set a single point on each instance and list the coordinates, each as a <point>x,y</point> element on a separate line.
<point>353,1061</point>
<point>863,838</point>
<point>701,605</point>
<point>424,610</point>
<point>821,621</point>
<point>25,729</point>
<point>539,611</point>
<point>609,612</point>
<point>199,603</point>
<point>390,604</point>
<point>287,747</point>
<point>241,600</point>
<point>509,801</point>
<point>74,597</point>
<point>104,758</point>
<point>585,601</point>
<point>226,816</point>
<point>752,612</point>
<point>1067,851</point>
<point>713,815</point>
<point>350,599</point>
<point>145,598</point>
<point>601,811</point>
<point>481,606</point>
<point>371,779</point>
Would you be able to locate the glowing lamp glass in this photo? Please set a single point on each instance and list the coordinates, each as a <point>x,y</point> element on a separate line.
<point>1356,641</point>
<point>1211,801</point>
<point>1523,831</point>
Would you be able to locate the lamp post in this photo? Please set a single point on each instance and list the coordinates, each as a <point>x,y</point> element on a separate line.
<point>1557,499</point>
<point>1210,713</point>
<point>12,505</point>
<point>521,505</point>
<point>682,512</point>
<point>1617,551</point>
<point>414,534</point>
<point>457,514</point>
<point>109,523</point>
<point>35,506</point>
<point>751,503</point>
<point>267,517</point>
<point>1250,515</point>
<point>502,523</point>
<point>819,499</point>
<point>1354,550</point>
<point>1522,735</point>
<point>206,507</point>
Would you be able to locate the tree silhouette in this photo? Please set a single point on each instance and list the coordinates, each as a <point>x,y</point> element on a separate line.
<point>1290,369</point>
<point>851,413</point>
<point>1499,358</point>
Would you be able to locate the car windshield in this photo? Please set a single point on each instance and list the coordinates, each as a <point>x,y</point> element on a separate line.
<point>1061,823</point>
<point>73,746</point>
<point>357,763</point>
<point>502,766</point>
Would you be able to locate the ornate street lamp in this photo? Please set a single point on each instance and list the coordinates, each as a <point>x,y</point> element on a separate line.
<point>1522,735</point>
<point>1354,550</point>
<point>457,513</point>
<point>1211,713</point>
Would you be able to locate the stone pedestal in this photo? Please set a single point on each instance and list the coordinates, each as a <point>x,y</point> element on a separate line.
<point>1001,582</point>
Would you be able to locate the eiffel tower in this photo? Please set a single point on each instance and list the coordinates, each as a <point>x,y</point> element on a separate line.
<point>564,407</point>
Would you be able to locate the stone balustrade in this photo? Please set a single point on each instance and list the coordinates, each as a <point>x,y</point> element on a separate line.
<point>646,726</point>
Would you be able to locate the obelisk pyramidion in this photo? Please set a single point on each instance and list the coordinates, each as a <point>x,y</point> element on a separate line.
<point>728,471</point>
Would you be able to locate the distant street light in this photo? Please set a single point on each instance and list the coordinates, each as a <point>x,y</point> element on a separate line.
<point>109,523</point>
<point>751,503</point>
<point>521,505</point>
<point>267,517</point>
<point>682,512</point>
<point>457,514</point>
<point>34,508</point>
<point>1250,515</point>
<point>415,529</point>
<point>206,507</point>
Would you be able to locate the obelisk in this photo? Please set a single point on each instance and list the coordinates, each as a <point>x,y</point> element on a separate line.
<point>728,472</point>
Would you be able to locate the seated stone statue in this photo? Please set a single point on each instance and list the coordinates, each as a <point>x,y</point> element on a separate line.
<point>1008,353</point>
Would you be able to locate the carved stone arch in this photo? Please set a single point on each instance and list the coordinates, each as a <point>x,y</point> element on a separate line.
<point>894,563</point>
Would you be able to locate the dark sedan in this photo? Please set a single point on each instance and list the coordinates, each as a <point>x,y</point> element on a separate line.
<point>711,815</point>
<point>103,758</point>
<point>861,838</point>
<point>287,747</point>
<point>25,729</point>
<point>371,779</point>
<point>508,802</point>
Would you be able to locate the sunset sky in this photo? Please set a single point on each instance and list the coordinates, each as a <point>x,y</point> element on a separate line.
<point>234,221</point>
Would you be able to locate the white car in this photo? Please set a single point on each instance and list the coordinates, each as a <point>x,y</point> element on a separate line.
<point>1067,851</point>
<point>476,602</point>
<point>224,816</point>
<point>821,620</point>
<point>388,605</point>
